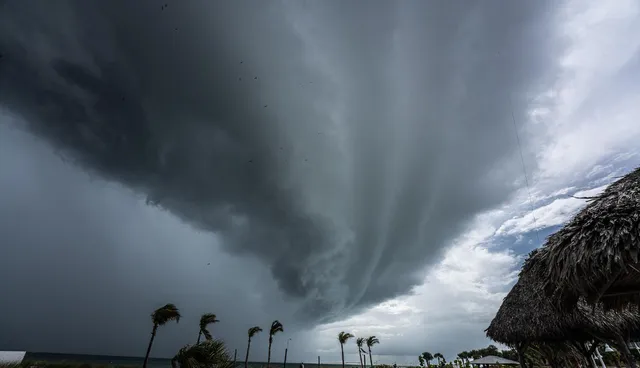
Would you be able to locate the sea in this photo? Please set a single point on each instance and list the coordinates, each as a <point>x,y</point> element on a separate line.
<point>109,360</point>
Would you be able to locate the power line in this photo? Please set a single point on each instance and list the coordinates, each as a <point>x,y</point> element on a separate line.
<point>524,170</point>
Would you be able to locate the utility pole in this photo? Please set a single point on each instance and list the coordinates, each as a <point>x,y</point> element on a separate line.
<point>284,365</point>
<point>235,355</point>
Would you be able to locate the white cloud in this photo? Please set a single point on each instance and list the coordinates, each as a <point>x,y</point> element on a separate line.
<point>555,213</point>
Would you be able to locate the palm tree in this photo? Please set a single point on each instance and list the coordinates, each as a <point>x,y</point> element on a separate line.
<point>427,357</point>
<point>342,338</point>
<point>205,320</point>
<point>421,360</point>
<point>252,331</point>
<point>160,317</point>
<point>360,343</point>
<point>276,327</point>
<point>465,356</point>
<point>439,357</point>
<point>371,340</point>
<point>209,353</point>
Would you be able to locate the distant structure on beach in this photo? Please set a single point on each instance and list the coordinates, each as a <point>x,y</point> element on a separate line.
<point>11,357</point>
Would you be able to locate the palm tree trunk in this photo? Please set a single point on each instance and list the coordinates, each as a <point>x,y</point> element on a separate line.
<point>199,334</point>
<point>153,335</point>
<point>360,355</point>
<point>370,358</point>
<point>269,354</point>
<point>246,358</point>
<point>342,352</point>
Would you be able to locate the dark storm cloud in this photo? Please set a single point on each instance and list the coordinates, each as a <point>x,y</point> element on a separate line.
<point>84,262</point>
<point>340,144</point>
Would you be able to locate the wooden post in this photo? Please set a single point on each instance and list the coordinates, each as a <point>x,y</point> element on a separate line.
<point>625,352</point>
<point>235,355</point>
<point>521,348</point>
<point>284,365</point>
<point>318,361</point>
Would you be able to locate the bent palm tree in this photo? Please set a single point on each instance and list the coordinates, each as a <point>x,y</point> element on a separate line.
<point>342,338</point>
<point>276,327</point>
<point>371,340</point>
<point>439,357</point>
<point>160,317</point>
<point>252,331</point>
<point>205,320</point>
<point>209,353</point>
<point>427,357</point>
<point>360,342</point>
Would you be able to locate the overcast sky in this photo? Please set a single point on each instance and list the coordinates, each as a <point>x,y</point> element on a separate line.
<point>334,165</point>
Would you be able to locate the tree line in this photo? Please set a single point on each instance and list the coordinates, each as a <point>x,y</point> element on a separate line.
<point>212,352</point>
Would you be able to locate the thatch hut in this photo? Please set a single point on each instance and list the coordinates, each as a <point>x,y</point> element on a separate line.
<point>595,255</point>
<point>527,316</point>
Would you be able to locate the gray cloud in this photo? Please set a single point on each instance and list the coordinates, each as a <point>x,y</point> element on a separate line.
<point>340,146</point>
<point>88,261</point>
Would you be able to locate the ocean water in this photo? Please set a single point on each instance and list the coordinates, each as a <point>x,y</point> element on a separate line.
<point>108,360</point>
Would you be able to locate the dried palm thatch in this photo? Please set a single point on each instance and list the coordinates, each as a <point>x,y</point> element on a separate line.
<point>527,316</point>
<point>595,255</point>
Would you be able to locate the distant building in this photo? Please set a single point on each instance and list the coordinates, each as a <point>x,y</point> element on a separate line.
<point>11,357</point>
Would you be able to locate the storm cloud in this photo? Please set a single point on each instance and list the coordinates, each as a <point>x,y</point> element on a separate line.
<point>339,145</point>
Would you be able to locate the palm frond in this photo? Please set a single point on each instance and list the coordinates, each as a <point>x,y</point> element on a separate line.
<point>254,330</point>
<point>276,327</point>
<point>207,354</point>
<point>207,319</point>
<point>344,336</point>
<point>164,314</point>
<point>372,340</point>
<point>360,342</point>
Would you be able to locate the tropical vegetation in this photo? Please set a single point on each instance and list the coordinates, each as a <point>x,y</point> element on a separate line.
<point>371,341</point>
<point>161,317</point>
<point>206,320</point>
<point>360,344</point>
<point>276,327</point>
<point>252,332</point>
<point>343,337</point>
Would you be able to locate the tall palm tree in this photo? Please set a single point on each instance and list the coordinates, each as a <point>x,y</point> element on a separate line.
<point>360,343</point>
<point>252,332</point>
<point>438,356</point>
<point>427,357</point>
<point>371,340</point>
<point>342,338</point>
<point>209,353</point>
<point>276,327</point>
<point>160,317</point>
<point>205,320</point>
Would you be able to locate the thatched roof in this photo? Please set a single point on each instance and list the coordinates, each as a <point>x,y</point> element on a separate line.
<point>595,255</point>
<point>527,315</point>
